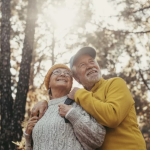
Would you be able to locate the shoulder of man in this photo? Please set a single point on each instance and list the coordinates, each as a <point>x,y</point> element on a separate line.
<point>115,82</point>
<point>116,79</point>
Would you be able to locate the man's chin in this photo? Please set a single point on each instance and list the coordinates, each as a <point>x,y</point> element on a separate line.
<point>93,79</point>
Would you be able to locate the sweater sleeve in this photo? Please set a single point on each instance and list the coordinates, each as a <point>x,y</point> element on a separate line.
<point>114,109</point>
<point>28,142</point>
<point>89,133</point>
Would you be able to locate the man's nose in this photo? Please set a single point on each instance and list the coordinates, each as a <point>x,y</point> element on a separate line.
<point>89,66</point>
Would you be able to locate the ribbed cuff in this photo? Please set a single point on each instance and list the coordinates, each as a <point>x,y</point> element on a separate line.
<point>73,116</point>
<point>68,112</point>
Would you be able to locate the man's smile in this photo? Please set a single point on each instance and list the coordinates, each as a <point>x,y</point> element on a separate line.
<point>92,72</point>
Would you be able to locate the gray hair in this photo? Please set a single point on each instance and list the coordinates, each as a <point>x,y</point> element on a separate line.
<point>74,70</point>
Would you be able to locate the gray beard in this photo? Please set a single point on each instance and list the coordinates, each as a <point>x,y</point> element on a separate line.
<point>91,82</point>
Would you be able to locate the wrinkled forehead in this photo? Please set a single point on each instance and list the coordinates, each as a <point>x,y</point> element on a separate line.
<point>83,58</point>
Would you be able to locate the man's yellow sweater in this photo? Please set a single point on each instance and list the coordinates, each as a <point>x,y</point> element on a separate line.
<point>111,104</point>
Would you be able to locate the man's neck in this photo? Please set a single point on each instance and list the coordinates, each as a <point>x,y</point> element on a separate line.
<point>89,87</point>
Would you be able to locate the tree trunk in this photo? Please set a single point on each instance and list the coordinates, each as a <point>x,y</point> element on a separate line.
<point>11,129</point>
<point>24,74</point>
<point>5,76</point>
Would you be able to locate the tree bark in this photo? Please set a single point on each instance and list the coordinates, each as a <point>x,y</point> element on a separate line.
<point>5,76</point>
<point>24,74</point>
<point>11,117</point>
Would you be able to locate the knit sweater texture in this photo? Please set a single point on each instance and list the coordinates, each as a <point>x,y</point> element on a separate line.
<point>111,104</point>
<point>52,133</point>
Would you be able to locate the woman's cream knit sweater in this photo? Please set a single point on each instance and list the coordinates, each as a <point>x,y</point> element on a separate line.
<point>52,133</point>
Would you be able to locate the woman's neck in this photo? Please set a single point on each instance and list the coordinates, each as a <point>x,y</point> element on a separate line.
<point>58,93</point>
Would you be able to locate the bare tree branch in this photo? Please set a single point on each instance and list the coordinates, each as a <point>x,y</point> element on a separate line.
<point>141,9</point>
<point>122,31</point>
<point>144,81</point>
<point>128,32</point>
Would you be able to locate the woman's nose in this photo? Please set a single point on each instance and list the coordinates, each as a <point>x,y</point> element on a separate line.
<point>62,73</point>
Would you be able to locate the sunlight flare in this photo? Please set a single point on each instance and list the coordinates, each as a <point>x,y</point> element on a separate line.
<point>60,17</point>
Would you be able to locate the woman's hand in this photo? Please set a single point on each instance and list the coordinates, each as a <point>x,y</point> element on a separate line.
<point>31,123</point>
<point>63,109</point>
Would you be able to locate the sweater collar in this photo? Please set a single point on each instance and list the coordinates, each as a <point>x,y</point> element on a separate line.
<point>98,84</point>
<point>57,100</point>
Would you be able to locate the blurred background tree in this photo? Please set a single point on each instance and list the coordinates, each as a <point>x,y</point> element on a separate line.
<point>119,30</point>
<point>12,113</point>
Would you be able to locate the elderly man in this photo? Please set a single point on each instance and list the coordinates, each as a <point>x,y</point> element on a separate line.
<point>108,101</point>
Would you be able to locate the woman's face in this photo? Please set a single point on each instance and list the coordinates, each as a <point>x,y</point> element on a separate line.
<point>61,78</point>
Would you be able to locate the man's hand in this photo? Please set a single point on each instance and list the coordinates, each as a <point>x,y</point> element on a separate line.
<point>31,123</point>
<point>39,109</point>
<point>71,95</point>
<point>63,109</point>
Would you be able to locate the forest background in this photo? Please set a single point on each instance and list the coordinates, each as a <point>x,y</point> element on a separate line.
<point>35,34</point>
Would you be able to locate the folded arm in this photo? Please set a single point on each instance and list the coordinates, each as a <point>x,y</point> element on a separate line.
<point>115,108</point>
<point>90,133</point>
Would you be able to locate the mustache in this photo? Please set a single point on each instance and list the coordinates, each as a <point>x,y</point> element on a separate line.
<point>92,69</point>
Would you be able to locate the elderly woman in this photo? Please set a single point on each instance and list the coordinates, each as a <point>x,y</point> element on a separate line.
<point>51,132</point>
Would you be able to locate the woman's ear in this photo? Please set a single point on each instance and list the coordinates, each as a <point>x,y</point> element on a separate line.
<point>49,91</point>
<point>49,85</point>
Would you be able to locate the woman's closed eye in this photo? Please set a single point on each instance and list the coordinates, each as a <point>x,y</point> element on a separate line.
<point>56,72</point>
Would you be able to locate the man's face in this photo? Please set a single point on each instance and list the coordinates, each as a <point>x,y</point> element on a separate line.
<point>87,71</point>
